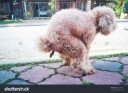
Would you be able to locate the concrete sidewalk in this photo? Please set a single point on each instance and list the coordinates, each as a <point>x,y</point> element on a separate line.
<point>110,71</point>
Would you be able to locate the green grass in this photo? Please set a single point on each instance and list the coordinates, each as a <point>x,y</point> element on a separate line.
<point>8,66</point>
<point>119,70</point>
<point>17,72</point>
<point>108,56</point>
<point>9,21</point>
<point>125,77</point>
<point>85,83</point>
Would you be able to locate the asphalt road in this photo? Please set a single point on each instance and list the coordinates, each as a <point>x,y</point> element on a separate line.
<point>21,42</point>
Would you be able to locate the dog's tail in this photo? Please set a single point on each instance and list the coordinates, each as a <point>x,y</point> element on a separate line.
<point>44,44</point>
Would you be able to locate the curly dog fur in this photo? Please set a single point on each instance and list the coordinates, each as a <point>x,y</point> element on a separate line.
<point>71,32</point>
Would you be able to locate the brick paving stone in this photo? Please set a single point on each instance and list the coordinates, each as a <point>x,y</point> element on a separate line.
<point>52,65</point>
<point>19,68</point>
<point>125,70</point>
<point>61,80</point>
<point>106,65</point>
<point>124,60</point>
<point>36,74</point>
<point>112,59</point>
<point>67,70</point>
<point>104,78</point>
<point>5,75</point>
<point>18,82</point>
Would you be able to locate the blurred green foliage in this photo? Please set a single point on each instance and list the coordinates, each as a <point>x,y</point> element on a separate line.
<point>126,7</point>
<point>7,21</point>
<point>52,6</point>
<point>119,6</point>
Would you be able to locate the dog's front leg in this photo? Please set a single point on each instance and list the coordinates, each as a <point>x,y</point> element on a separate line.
<point>86,65</point>
<point>81,63</point>
<point>87,68</point>
<point>82,66</point>
<point>87,43</point>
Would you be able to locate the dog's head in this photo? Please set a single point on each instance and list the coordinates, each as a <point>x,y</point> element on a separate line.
<point>105,20</point>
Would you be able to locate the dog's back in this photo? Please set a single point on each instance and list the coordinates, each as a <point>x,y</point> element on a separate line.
<point>82,25</point>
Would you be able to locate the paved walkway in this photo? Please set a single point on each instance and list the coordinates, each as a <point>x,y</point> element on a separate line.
<point>110,71</point>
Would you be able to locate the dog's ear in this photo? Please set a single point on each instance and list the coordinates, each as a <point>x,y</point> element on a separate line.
<point>105,21</point>
<point>104,24</point>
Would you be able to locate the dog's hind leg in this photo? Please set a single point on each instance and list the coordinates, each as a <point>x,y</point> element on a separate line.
<point>66,60</point>
<point>78,54</point>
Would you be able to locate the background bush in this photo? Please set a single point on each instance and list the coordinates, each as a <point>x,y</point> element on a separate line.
<point>119,7</point>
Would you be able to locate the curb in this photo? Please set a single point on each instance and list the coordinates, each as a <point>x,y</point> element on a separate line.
<point>121,20</point>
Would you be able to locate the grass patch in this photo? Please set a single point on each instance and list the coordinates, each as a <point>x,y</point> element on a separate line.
<point>8,66</point>
<point>108,56</point>
<point>85,83</point>
<point>125,77</point>
<point>9,21</point>
<point>17,72</point>
<point>119,70</point>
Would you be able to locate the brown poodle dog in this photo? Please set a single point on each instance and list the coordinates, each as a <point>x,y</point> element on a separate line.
<point>71,32</point>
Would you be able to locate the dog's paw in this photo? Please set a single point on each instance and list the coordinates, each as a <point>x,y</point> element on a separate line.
<point>88,70</point>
